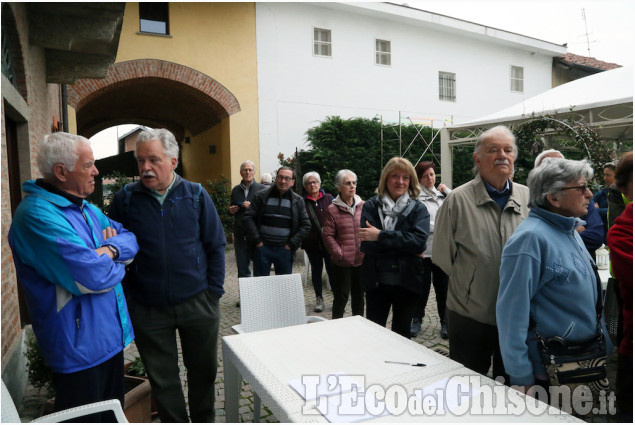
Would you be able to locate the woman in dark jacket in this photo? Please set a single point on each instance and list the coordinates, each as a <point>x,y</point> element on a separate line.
<point>316,201</point>
<point>395,227</point>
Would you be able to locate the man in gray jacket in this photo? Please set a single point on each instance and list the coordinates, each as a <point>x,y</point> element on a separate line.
<point>471,229</point>
<point>241,197</point>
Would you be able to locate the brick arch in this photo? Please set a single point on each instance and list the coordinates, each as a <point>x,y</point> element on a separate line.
<point>146,90</point>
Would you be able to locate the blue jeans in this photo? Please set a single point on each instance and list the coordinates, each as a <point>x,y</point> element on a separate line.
<point>266,255</point>
<point>241,249</point>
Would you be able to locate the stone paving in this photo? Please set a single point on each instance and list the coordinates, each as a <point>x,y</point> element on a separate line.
<point>230,315</point>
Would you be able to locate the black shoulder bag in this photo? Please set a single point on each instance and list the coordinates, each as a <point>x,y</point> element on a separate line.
<point>575,363</point>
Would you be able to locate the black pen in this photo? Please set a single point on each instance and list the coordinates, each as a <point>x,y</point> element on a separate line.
<point>406,363</point>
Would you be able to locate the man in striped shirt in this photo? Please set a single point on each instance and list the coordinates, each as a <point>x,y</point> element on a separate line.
<point>276,224</point>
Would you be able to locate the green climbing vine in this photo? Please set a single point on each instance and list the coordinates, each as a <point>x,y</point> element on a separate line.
<point>575,139</point>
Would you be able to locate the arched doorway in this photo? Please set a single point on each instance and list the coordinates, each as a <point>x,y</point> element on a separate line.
<point>157,93</point>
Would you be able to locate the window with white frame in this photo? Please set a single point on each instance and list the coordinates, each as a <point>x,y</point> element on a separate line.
<point>382,52</point>
<point>447,86</point>
<point>321,42</point>
<point>517,79</point>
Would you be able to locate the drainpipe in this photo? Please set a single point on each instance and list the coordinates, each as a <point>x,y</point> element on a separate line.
<point>64,108</point>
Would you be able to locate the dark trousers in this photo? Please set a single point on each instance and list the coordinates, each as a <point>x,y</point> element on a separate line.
<point>348,280</point>
<point>98,383</point>
<point>241,249</point>
<point>624,386</point>
<point>403,303</point>
<point>197,321</point>
<point>475,345</point>
<point>278,255</point>
<point>317,259</point>
<point>433,275</point>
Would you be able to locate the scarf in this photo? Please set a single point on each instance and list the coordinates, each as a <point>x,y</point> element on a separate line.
<point>389,211</point>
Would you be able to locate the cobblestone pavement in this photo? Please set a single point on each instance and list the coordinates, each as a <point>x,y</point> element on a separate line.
<point>230,315</point>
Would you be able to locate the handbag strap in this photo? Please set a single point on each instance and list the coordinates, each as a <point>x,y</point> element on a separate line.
<point>598,306</point>
<point>315,219</point>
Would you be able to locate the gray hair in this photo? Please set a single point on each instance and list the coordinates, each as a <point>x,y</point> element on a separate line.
<point>544,154</point>
<point>58,148</point>
<point>247,162</point>
<point>339,177</point>
<point>500,131</point>
<point>170,147</point>
<point>311,174</point>
<point>266,178</point>
<point>551,176</point>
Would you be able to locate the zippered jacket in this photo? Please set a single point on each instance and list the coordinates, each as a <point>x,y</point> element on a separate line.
<point>74,296</point>
<point>398,248</point>
<point>547,273</point>
<point>341,232</point>
<point>470,232</point>
<point>313,239</point>
<point>300,222</point>
<point>181,247</point>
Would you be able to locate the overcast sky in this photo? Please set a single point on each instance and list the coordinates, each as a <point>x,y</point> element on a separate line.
<point>609,25</point>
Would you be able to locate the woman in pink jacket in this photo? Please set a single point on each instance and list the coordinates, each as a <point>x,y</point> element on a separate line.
<point>342,241</point>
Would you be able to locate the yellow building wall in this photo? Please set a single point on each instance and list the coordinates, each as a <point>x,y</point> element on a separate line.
<point>198,163</point>
<point>218,40</point>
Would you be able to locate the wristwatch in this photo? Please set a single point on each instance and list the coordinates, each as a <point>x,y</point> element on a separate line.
<point>114,251</point>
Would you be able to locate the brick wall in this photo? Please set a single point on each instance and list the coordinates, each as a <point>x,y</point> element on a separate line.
<point>43,102</point>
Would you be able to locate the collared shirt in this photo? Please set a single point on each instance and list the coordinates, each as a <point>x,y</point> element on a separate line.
<point>160,197</point>
<point>245,188</point>
<point>500,197</point>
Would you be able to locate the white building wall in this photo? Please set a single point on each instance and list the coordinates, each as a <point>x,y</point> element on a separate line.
<point>297,89</point>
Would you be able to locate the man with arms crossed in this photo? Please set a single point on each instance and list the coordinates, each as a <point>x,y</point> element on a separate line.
<point>70,259</point>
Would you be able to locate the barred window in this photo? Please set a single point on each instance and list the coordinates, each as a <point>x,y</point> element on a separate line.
<point>321,42</point>
<point>382,52</point>
<point>447,86</point>
<point>517,79</point>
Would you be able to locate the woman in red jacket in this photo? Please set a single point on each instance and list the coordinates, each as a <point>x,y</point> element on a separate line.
<point>342,241</point>
<point>620,241</point>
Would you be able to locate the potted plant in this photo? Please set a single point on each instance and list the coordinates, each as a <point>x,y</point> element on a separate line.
<point>137,397</point>
<point>137,369</point>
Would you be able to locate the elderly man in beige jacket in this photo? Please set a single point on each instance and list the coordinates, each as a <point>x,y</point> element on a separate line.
<point>471,229</point>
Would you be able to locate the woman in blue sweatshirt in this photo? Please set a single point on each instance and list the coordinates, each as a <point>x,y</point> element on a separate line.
<point>546,271</point>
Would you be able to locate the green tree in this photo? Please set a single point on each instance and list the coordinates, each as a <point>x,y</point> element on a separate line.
<point>220,191</point>
<point>356,144</point>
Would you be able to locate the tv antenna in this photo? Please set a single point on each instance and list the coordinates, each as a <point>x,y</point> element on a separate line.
<point>586,33</point>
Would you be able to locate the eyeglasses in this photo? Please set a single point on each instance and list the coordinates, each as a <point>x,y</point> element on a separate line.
<point>284,178</point>
<point>312,182</point>
<point>351,183</point>
<point>246,170</point>
<point>582,188</point>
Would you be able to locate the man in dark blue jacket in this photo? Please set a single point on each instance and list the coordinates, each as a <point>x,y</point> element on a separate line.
<point>177,278</point>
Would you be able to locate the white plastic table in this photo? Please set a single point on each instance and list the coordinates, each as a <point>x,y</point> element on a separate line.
<point>355,346</point>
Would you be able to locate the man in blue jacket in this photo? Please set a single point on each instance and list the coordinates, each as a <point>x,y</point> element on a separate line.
<point>177,278</point>
<point>70,259</point>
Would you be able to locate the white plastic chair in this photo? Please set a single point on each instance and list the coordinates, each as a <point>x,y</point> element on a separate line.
<point>270,302</point>
<point>10,412</point>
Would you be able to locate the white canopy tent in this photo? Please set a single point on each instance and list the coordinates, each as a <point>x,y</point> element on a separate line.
<point>604,101</point>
